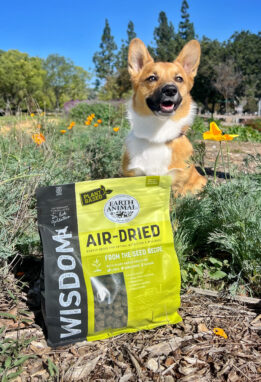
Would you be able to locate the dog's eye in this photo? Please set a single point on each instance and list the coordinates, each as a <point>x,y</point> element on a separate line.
<point>152,78</point>
<point>178,79</point>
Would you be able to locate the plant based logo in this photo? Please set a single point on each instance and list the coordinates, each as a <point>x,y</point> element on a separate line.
<point>94,196</point>
<point>121,208</point>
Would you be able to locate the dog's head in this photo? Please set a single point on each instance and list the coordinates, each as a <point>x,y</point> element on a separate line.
<point>161,88</point>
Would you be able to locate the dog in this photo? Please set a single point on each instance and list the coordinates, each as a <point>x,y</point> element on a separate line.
<point>160,112</point>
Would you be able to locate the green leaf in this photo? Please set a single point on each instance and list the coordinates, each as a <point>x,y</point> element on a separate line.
<point>218,275</point>
<point>24,358</point>
<point>11,294</point>
<point>8,362</point>
<point>8,315</point>
<point>14,375</point>
<point>184,275</point>
<point>52,368</point>
<point>215,261</point>
<point>198,270</point>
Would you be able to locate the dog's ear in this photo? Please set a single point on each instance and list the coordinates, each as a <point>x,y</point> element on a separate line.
<point>138,56</point>
<point>189,57</point>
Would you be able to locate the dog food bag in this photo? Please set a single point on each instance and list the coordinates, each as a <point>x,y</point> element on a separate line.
<point>109,261</point>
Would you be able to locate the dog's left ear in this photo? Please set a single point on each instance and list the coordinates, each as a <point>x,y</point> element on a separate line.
<point>189,57</point>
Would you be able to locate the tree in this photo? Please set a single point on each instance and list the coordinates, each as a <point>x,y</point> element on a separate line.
<point>186,28</point>
<point>122,78</point>
<point>21,78</point>
<point>122,55</point>
<point>204,91</point>
<point>227,80</point>
<point>66,80</point>
<point>164,35</point>
<point>245,49</point>
<point>104,60</point>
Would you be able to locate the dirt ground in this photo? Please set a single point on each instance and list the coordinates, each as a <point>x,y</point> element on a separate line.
<point>237,152</point>
<point>191,351</point>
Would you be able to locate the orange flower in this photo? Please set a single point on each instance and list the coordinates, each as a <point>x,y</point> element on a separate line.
<point>99,120</point>
<point>96,125</point>
<point>87,123</point>
<point>19,274</point>
<point>62,131</point>
<point>72,124</point>
<point>116,129</point>
<point>220,332</point>
<point>215,134</point>
<point>38,139</point>
<point>69,127</point>
<point>93,115</point>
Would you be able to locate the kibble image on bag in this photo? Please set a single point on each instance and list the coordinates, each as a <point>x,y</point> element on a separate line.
<point>109,261</point>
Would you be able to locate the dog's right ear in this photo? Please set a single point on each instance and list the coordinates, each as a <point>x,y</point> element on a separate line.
<point>138,56</point>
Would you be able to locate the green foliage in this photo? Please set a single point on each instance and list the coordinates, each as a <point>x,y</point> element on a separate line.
<point>245,48</point>
<point>21,78</point>
<point>12,357</point>
<point>104,60</point>
<point>204,90</point>
<point>64,79</point>
<point>122,55</point>
<point>165,40</point>
<point>104,152</point>
<point>224,223</point>
<point>186,28</point>
<point>110,115</point>
<point>246,133</point>
<point>80,154</point>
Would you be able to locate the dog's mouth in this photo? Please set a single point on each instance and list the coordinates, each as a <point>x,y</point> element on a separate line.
<point>164,101</point>
<point>167,106</point>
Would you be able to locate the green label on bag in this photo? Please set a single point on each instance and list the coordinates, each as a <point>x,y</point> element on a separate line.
<point>94,196</point>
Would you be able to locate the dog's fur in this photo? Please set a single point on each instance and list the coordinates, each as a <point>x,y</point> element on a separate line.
<point>160,112</point>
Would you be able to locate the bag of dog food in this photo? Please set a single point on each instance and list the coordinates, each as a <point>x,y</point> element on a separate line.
<point>109,261</point>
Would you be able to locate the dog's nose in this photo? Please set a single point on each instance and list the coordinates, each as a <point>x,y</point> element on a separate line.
<point>169,90</point>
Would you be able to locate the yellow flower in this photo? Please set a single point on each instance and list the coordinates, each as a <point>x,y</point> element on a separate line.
<point>99,120</point>
<point>32,114</point>
<point>93,115</point>
<point>69,127</point>
<point>62,131</point>
<point>42,114</point>
<point>116,129</point>
<point>96,125</point>
<point>220,332</point>
<point>87,123</point>
<point>38,138</point>
<point>215,134</point>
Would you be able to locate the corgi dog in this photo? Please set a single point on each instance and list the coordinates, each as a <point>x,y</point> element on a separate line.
<point>160,112</point>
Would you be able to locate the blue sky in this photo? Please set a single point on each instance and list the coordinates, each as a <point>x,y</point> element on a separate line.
<point>74,28</point>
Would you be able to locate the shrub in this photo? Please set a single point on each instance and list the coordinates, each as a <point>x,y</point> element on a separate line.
<point>110,115</point>
<point>224,223</point>
<point>104,152</point>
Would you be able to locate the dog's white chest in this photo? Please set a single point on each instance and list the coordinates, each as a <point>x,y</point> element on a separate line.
<point>147,158</point>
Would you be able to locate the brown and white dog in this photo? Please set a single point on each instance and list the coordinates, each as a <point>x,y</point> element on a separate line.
<point>160,113</point>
